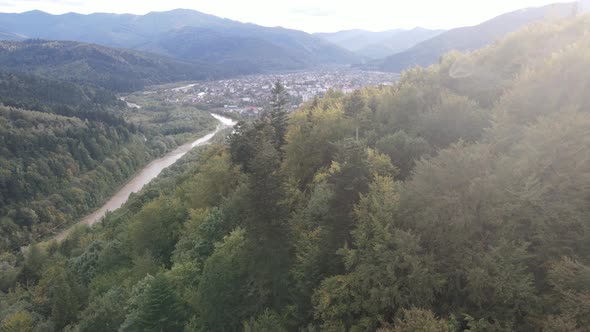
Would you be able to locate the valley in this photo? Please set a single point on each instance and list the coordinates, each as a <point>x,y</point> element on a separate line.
<point>250,95</point>
<point>173,170</point>
<point>143,177</point>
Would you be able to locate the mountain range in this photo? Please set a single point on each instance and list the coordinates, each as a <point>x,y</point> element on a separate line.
<point>111,68</point>
<point>185,35</point>
<point>470,38</point>
<point>375,45</point>
<point>126,52</point>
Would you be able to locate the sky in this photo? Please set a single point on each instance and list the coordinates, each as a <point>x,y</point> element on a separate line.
<point>307,15</point>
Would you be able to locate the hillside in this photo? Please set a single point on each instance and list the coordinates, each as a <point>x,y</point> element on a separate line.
<point>110,68</point>
<point>32,92</point>
<point>65,147</point>
<point>183,34</point>
<point>374,45</point>
<point>454,201</point>
<point>469,38</point>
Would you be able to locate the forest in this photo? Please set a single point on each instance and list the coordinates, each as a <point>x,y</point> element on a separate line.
<point>112,69</point>
<point>455,200</point>
<point>64,149</point>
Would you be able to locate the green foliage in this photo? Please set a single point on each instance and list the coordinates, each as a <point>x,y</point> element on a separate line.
<point>8,271</point>
<point>267,321</point>
<point>215,180</point>
<point>18,322</point>
<point>33,265</point>
<point>59,295</point>
<point>66,147</point>
<point>487,228</point>
<point>170,124</point>
<point>105,313</point>
<point>569,294</point>
<point>111,68</point>
<point>160,308</point>
<point>86,264</point>
<point>404,150</point>
<point>386,271</point>
<point>156,229</point>
<point>201,233</point>
<point>309,136</point>
<point>278,114</point>
<point>55,167</point>
<point>223,302</point>
<point>419,320</point>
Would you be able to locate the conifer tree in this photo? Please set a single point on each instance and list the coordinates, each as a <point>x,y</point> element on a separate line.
<point>161,309</point>
<point>278,114</point>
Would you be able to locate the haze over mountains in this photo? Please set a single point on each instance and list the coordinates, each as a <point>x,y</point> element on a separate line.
<point>471,38</point>
<point>191,45</point>
<point>374,45</point>
<point>186,35</point>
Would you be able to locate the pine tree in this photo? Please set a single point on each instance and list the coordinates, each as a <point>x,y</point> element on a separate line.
<point>65,299</point>
<point>162,309</point>
<point>278,114</point>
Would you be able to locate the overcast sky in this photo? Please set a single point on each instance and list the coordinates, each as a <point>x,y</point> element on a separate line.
<point>306,15</point>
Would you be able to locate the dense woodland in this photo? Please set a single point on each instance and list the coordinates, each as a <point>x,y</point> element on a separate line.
<point>109,68</point>
<point>456,200</point>
<point>66,148</point>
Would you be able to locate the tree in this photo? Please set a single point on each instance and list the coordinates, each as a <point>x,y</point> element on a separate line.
<point>387,270</point>
<point>404,151</point>
<point>278,114</point>
<point>202,231</point>
<point>33,265</point>
<point>266,228</point>
<point>156,229</point>
<point>161,310</point>
<point>570,294</point>
<point>309,136</point>
<point>314,259</point>
<point>349,176</point>
<point>267,321</point>
<point>64,296</point>
<point>454,118</point>
<point>18,322</point>
<point>106,313</point>
<point>223,298</point>
<point>245,140</point>
<point>215,180</point>
<point>419,320</point>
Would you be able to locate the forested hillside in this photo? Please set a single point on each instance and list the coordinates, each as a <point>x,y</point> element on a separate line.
<point>109,68</point>
<point>66,147</point>
<point>456,200</point>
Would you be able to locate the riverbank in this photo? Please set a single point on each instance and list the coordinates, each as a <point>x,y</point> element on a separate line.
<point>145,176</point>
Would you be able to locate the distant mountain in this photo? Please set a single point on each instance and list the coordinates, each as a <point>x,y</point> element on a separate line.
<point>184,34</point>
<point>398,43</point>
<point>469,38</point>
<point>110,68</point>
<point>356,39</point>
<point>375,45</point>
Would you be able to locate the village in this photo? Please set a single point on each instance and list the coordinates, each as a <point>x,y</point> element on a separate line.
<point>248,95</point>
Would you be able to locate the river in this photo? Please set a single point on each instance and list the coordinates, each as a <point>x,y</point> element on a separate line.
<point>147,174</point>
